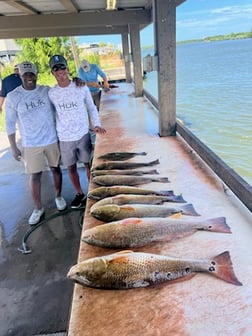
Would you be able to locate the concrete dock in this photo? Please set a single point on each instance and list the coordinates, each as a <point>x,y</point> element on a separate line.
<point>202,305</point>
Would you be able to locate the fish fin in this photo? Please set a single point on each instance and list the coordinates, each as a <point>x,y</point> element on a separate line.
<point>189,210</point>
<point>152,163</point>
<point>131,220</point>
<point>222,268</point>
<point>218,225</point>
<point>162,179</point>
<point>166,193</point>
<point>120,257</point>
<point>179,199</point>
<point>176,215</point>
<point>154,172</point>
<point>124,251</point>
<point>141,153</point>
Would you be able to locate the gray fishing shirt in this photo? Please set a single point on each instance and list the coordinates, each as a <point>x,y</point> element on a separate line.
<point>75,111</point>
<point>34,113</point>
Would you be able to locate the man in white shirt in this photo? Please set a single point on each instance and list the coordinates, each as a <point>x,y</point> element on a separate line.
<point>74,108</point>
<point>29,106</point>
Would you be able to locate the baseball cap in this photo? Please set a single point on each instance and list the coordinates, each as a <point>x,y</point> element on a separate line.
<point>57,59</point>
<point>25,67</point>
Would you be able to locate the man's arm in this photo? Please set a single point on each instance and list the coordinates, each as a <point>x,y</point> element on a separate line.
<point>15,150</point>
<point>1,103</point>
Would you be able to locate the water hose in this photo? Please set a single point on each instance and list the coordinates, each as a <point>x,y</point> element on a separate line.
<point>25,250</point>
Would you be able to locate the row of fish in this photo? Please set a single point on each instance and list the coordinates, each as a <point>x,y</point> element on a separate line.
<point>135,217</point>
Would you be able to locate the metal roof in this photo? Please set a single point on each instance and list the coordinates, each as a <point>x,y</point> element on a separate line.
<point>72,17</point>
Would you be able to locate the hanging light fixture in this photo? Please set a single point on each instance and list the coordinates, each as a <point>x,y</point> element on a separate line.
<point>111,4</point>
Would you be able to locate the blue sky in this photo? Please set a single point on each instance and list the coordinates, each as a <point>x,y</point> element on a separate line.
<point>197,19</point>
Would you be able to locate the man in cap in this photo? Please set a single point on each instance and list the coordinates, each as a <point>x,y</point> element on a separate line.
<point>9,83</point>
<point>74,106</point>
<point>90,73</point>
<point>29,106</point>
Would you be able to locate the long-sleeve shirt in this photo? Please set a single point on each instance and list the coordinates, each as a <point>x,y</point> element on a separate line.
<point>91,76</point>
<point>75,110</point>
<point>34,113</point>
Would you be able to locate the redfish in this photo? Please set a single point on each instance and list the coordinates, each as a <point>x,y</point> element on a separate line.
<point>128,269</point>
<point>138,199</point>
<point>112,212</point>
<point>110,180</point>
<point>123,172</point>
<point>117,156</point>
<point>102,192</point>
<point>137,232</point>
<point>124,165</point>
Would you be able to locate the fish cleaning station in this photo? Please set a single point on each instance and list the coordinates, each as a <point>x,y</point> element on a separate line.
<point>208,289</point>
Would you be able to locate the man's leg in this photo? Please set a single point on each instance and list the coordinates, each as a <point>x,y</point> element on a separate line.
<point>35,187</point>
<point>57,178</point>
<point>75,179</point>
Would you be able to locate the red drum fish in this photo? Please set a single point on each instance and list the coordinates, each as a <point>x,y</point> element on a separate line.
<point>137,232</point>
<point>112,212</point>
<point>138,199</point>
<point>124,165</point>
<point>102,192</point>
<point>123,172</point>
<point>128,269</point>
<point>117,156</point>
<point>110,180</point>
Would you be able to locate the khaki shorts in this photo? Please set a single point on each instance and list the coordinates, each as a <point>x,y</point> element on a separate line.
<point>36,158</point>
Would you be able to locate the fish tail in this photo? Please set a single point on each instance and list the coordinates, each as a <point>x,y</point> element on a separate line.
<point>222,268</point>
<point>166,193</point>
<point>152,163</point>
<point>218,225</point>
<point>154,172</point>
<point>179,199</point>
<point>162,179</point>
<point>189,210</point>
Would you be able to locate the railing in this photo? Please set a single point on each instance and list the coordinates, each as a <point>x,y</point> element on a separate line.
<point>234,181</point>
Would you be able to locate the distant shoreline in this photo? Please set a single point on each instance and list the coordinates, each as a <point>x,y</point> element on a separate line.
<point>232,36</point>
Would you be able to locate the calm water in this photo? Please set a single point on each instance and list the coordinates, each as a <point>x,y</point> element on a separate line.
<point>214,97</point>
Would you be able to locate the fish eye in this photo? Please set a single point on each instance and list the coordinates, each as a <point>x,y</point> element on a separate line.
<point>210,227</point>
<point>187,269</point>
<point>211,269</point>
<point>78,273</point>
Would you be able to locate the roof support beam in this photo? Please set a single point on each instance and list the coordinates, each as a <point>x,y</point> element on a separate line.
<point>68,4</point>
<point>21,6</point>
<point>71,24</point>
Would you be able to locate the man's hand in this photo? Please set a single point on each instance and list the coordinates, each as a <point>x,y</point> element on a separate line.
<point>78,82</point>
<point>16,154</point>
<point>99,130</point>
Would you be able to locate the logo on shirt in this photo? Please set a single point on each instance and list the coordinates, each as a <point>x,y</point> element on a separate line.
<point>68,106</point>
<point>32,105</point>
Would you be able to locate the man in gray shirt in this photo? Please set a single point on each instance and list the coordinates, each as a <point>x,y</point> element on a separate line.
<point>29,106</point>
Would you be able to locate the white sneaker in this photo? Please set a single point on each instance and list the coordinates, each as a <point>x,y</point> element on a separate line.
<point>60,203</point>
<point>36,216</point>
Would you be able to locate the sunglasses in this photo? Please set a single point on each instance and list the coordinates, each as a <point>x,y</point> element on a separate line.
<point>59,67</point>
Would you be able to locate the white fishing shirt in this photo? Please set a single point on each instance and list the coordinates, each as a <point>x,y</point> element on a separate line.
<point>34,113</point>
<point>74,108</point>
